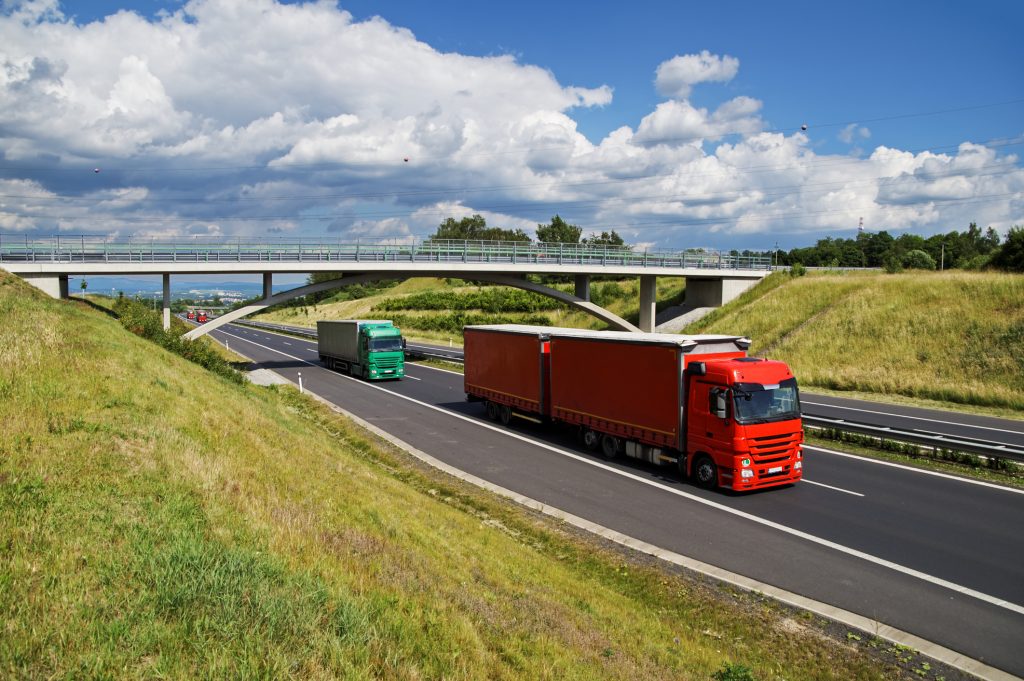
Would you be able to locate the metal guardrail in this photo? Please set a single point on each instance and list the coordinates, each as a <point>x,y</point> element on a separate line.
<point>87,249</point>
<point>921,437</point>
<point>294,330</point>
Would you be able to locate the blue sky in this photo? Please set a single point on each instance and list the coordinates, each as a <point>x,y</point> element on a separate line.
<point>810,62</point>
<point>915,113</point>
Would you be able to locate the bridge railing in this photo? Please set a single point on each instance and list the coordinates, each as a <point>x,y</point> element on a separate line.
<point>91,249</point>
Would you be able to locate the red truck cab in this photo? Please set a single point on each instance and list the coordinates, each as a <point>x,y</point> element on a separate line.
<point>201,318</point>
<point>191,315</point>
<point>744,430</point>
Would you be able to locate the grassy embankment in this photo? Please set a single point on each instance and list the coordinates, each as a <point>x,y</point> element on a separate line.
<point>953,337</point>
<point>158,520</point>
<point>437,309</point>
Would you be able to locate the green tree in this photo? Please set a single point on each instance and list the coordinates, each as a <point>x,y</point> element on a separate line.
<point>918,260</point>
<point>316,278</point>
<point>474,228</point>
<point>605,239</point>
<point>1010,255</point>
<point>558,232</point>
<point>84,285</point>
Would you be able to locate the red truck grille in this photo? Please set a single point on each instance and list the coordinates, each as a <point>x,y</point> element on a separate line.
<point>772,448</point>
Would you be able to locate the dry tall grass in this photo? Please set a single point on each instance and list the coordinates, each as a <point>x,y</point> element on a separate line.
<point>952,336</point>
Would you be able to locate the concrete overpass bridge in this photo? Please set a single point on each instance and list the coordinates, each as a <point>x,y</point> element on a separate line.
<point>712,277</point>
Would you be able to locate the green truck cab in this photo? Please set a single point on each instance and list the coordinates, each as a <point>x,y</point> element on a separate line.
<point>372,349</point>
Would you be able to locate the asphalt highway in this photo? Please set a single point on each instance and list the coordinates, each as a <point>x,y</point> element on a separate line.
<point>933,555</point>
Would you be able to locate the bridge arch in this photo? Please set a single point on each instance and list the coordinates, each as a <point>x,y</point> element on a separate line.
<point>493,278</point>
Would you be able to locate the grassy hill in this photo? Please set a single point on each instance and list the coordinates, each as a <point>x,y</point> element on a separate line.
<point>953,336</point>
<point>158,520</point>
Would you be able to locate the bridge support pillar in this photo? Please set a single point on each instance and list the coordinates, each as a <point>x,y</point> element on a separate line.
<point>715,292</point>
<point>167,302</point>
<point>268,284</point>
<point>648,300</point>
<point>583,287</point>
<point>55,287</point>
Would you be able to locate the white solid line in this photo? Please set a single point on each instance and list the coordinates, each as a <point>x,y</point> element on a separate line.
<point>938,581</point>
<point>923,471</point>
<point>918,418</point>
<point>838,489</point>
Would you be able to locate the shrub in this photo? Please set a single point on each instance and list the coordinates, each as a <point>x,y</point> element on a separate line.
<point>918,260</point>
<point>978,262</point>
<point>734,672</point>
<point>455,321</point>
<point>142,321</point>
<point>797,270</point>
<point>493,300</point>
<point>892,264</point>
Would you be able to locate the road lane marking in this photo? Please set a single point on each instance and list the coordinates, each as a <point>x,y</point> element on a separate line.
<point>413,378</point>
<point>427,366</point>
<point>838,489</point>
<point>938,581</point>
<point>924,471</point>
<point>917,418</point>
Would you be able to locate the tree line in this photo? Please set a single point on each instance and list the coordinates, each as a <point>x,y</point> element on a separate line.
<point>558,231</point>
<point>971,249</point>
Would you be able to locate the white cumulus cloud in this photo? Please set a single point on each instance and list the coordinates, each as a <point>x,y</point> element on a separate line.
<point>675,78</point>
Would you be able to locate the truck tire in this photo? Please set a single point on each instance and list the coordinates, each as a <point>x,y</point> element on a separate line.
<point>609,446</point>
<point>705,472</point>
<point>591,439</point>
<point>492,410</point>
<point>505,414</point>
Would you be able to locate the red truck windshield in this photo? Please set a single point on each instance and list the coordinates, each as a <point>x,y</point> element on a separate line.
<point>756,403</point>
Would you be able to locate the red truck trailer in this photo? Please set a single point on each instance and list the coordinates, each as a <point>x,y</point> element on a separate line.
<point>696,402</point>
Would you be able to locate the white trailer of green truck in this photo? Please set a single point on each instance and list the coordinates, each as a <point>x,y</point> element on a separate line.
<point>372,349</point>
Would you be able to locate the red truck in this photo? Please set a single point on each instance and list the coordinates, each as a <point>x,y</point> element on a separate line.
<point>696,402</point>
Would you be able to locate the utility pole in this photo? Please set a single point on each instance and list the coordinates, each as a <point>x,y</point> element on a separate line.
<point>942,258</point>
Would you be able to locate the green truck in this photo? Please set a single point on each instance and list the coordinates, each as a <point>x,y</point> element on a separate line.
<point>372,349</point>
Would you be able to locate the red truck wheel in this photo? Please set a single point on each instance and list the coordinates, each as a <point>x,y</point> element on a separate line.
<point>505,414</point>
<point>492,411</point>
<point>591,439</point>
<point>705,473</point>
<point>609,446</point>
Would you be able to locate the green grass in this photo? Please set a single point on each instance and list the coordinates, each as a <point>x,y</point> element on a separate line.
<point>158,520</point>
<point>954,337</point>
